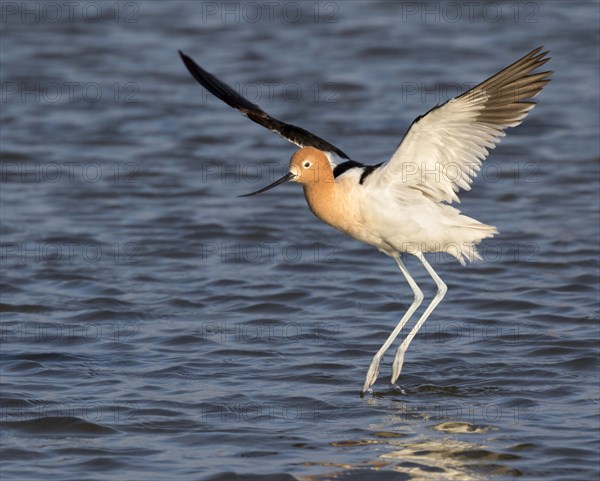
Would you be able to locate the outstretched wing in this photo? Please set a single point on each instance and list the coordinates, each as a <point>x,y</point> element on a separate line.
<point>442,151</point>
<point>292,133</point>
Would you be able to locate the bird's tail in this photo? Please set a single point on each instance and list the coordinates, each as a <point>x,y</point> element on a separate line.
<point>475,233</point>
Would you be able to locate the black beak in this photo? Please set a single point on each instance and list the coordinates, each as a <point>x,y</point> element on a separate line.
<point>289,176</point>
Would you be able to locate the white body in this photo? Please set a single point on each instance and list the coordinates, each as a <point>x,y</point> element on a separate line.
<point>397,220</point>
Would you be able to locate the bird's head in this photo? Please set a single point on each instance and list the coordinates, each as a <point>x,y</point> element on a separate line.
<point>308,166</point>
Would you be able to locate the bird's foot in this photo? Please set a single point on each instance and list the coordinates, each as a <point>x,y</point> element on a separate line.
<point>399,389</point>
<point>397,365</point>
<point>371,374</point>
<point>366,391</point>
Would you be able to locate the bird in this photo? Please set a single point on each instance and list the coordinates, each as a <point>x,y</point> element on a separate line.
<point>403,206</point>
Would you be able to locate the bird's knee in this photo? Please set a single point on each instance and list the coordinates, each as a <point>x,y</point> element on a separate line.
<point>418,296</point>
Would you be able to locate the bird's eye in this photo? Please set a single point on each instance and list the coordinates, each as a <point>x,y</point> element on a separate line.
<point>306,164</point>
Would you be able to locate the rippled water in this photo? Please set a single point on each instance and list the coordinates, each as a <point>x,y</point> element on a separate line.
<point>155,326</point>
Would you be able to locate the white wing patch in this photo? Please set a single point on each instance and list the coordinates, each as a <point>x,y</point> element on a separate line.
<point>443,150</point>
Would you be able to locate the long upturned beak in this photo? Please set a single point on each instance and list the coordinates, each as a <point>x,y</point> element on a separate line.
<point>289,176</point>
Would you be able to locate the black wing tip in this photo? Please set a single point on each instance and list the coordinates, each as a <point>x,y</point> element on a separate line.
<point>297,136</point>
<point>189,63</point>
<point>183,56</point>
<point>197,72</point>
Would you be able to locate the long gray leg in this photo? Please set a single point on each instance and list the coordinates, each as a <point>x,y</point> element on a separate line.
<point>441,291</point>
<point>374,367</point>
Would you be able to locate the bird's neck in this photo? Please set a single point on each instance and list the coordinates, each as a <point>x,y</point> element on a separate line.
<point>326,200</point>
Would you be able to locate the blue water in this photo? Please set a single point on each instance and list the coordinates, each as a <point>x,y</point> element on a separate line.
<point>155,326</point>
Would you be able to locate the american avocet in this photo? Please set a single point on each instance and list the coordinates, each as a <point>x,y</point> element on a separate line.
<point>402,205</point>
